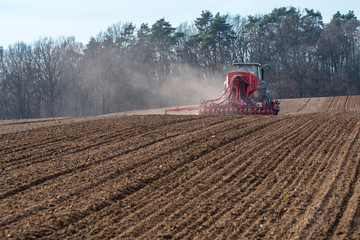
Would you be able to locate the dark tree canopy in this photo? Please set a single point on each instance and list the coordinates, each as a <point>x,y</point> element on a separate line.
<point>135,67</point>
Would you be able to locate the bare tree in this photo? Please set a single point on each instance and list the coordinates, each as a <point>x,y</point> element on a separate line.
<point>19,79</point>
<point>50,68</point>
<point>3,105</point>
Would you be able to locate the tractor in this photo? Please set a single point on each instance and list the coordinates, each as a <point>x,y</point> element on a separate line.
<point>245,92</point>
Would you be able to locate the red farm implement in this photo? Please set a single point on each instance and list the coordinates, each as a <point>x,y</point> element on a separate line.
<point>245,92</point>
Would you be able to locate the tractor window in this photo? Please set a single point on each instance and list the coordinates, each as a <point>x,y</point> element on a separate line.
<point>251,69</point>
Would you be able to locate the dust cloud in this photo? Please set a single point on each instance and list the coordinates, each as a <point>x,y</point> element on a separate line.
<point>190,85</point>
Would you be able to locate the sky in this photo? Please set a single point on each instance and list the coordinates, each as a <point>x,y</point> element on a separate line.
<point>29,20</point>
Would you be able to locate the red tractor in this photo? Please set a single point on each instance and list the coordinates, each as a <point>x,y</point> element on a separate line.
<point>245,92</point>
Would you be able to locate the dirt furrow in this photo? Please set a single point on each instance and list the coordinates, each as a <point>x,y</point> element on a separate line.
<point>250,177</point>
<point>310,172</point>
<point>294,194</point>
<point>353,104</point>
<point>134,187</point>
<point>191,157</point>
<point>44,137</point>
<point>305,104</point>
<point>325,190</point>
<point>200,177</point>
<point>330,104</point>
<point>228,179</point>
<point>99,160</point>
<point>346,104</point>
<point>69,166</point>
<point>346,181</point>
<point>270,200</point>
<point>280,191</point>
<point>294,176</point>
<point>101,136</point>
<point>353,222</point>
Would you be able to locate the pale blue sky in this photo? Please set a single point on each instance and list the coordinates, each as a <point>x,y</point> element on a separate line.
<point>28,20</point>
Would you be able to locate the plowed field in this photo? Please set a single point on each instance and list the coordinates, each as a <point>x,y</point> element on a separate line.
<point>293,176</point>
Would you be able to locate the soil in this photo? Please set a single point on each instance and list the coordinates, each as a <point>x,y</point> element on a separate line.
<point>126,176</point>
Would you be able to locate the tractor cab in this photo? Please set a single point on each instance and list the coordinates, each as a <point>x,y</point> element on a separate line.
<point>253,68</point>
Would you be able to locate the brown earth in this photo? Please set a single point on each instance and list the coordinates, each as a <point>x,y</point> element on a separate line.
<point>293,176</point>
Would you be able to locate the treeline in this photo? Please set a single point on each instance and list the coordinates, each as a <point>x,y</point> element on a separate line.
<point>129,67</point>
